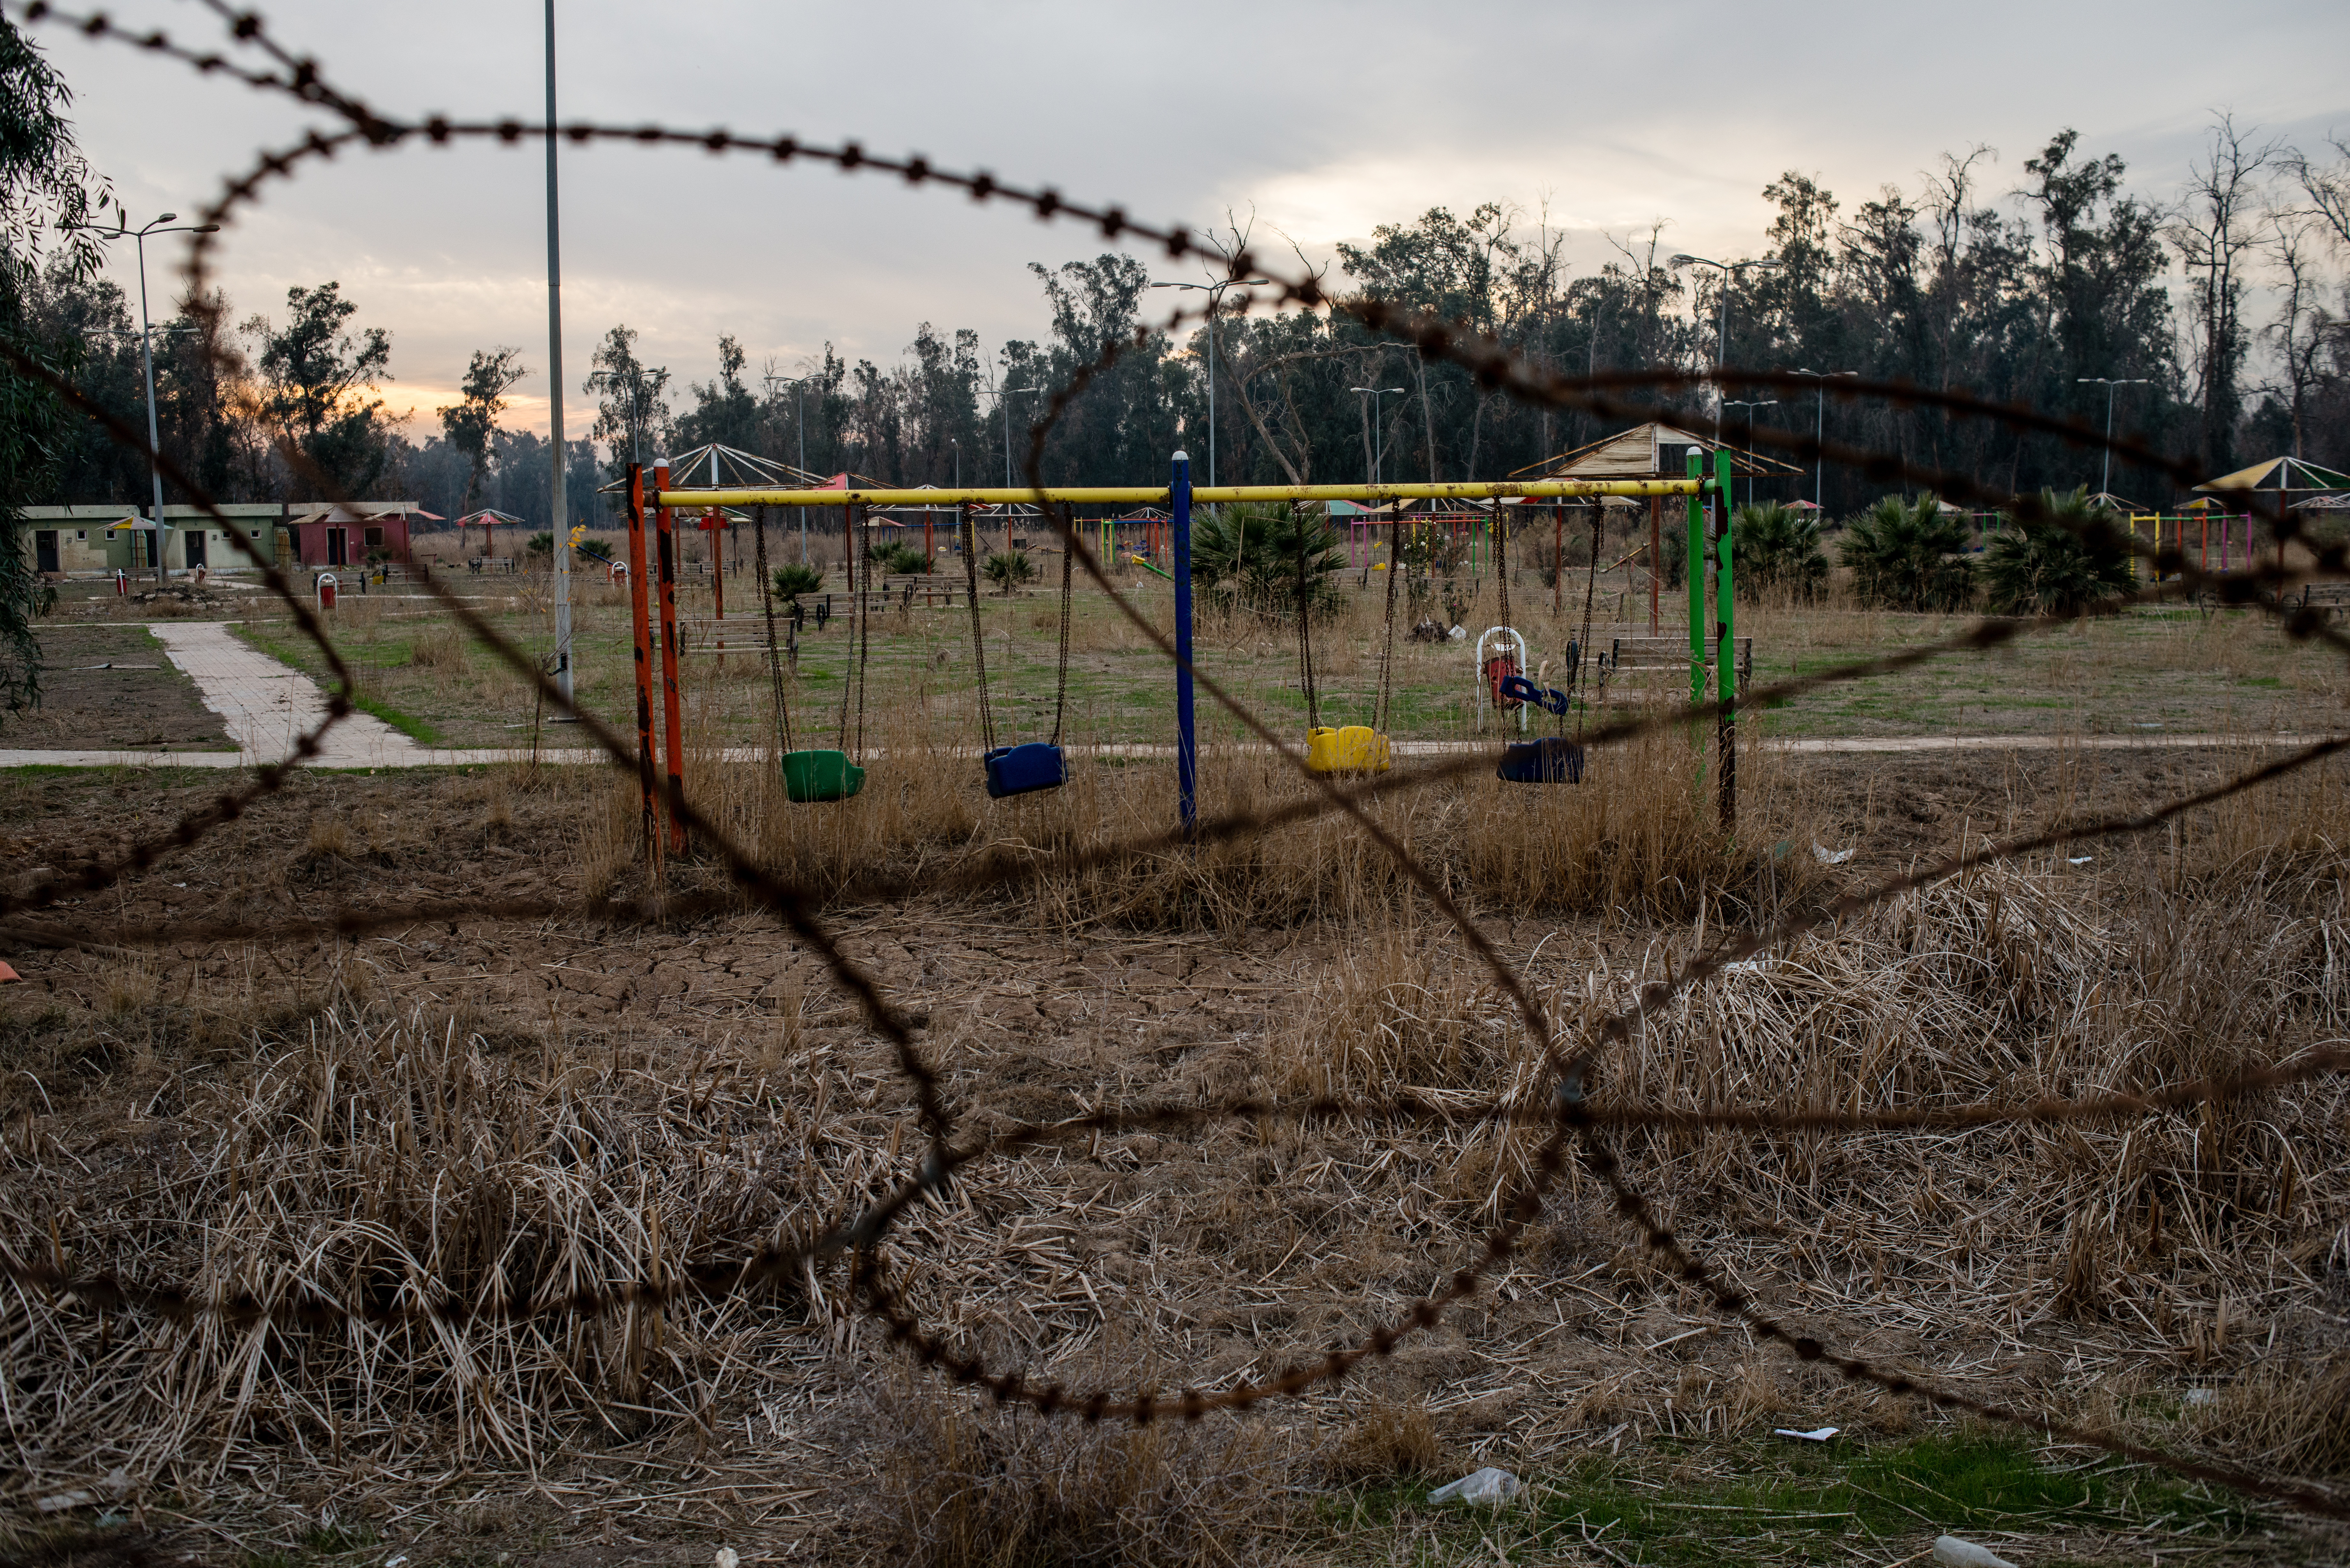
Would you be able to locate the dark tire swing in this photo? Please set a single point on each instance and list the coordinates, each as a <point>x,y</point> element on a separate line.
<point>1553,759</point>
<point>815,776</point>
<point>1037,765</point>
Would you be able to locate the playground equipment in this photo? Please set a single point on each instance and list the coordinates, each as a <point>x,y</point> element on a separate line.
<point>1018,769</point>
<point>1495,668</point>
<point>1342,749</point>
<point>1177,496</point>
<point>326,587</point>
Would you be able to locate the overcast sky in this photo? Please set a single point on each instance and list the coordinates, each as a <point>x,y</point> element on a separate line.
<point>1323,119</point>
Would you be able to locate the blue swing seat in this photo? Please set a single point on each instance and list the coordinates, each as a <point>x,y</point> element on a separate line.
<point>1024,770</point>
<point>1547,761</point>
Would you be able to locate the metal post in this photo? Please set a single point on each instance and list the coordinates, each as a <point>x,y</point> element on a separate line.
<point>154,443</point>
<point>1697,571</point>
<point>562,523</point>
<point>673,726</point>
<point>1186,738</point>
<point>640,623</point>
<point>1656,558</point>
<point>1725,653</point>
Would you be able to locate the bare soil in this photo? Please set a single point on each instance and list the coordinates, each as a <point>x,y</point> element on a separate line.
<point>113,688</point>
<point>742,1085</point>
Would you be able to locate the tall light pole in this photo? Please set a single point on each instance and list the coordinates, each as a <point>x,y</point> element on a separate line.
<point>147,358</point>
<point>1819,432</point>
<point>800,425</point>
<point>2105,479</point>
<point>558,498</point>
<point>1377,454</point>
<point>1729,271</point>
<point>1004,405</point>
<point>1215,292</point>
<point>1750,407</point>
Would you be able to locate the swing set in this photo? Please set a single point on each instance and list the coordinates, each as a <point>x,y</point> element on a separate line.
<point>816,774</point>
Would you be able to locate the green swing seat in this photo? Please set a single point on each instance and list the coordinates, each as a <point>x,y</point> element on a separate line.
<point>820,775</point>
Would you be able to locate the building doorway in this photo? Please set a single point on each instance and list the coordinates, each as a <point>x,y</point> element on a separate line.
<point>192,542</point>
<point>44,549</point>
<point>335,549</point>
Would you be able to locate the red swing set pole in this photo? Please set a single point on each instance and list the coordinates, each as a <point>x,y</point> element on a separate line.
<point>640,619</point>
<point>666,537</point>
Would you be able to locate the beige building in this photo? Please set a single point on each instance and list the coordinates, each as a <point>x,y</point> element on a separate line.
<point>103,539</point>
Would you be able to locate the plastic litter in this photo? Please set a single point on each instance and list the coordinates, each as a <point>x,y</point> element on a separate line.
<point>2202,1396</point>
<point>1953,1553</point>
<point>2080,860</point>
<point>1488,1485</point>
<point>1458,634</point>
<point>1832,857</point>
<point>1817,1435</point>
<point>727,1558</point>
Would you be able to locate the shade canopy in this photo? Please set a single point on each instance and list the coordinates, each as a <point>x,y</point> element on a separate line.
<point>2284,475</point>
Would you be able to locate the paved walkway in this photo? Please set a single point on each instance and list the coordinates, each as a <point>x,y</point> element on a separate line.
<point>266,706</point>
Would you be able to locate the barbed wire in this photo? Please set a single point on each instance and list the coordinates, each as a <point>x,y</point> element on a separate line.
<point>1575,1121</point>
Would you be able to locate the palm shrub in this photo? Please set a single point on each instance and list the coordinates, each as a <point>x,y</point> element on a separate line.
<point>797,578</point>
<point>896,557</point>
<point>1007,569</point>
<point>1247,555</point>
<point>1775,546</point>
<point>1908,556</point>
<point>2058,558</point>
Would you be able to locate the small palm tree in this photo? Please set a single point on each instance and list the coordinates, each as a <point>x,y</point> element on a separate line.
<point>1249,553</point>
<point>1908,556</point>
<point>793,580</point>
<point>1007,569</point>
<point>1775,546</point>
<point>2059,558</point>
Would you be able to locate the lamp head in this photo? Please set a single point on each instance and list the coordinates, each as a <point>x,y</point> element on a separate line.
<point>167,217</point>
<point>1681,259</point>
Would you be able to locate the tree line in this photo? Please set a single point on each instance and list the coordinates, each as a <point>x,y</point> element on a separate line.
<point>2056,293</point>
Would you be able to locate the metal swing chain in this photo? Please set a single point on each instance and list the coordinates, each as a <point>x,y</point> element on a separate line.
<point>977,638</point>
<point>1386,653</point>
<point>1304,626</point>
<point>1502,570</point>
<point>849,557</point>
<point>864,622</point>
<point>1590,590</point>
<point>767,604</point>
<point>1068,565</point>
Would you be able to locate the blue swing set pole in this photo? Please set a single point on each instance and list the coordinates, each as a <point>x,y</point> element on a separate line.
<point>1187,736</point>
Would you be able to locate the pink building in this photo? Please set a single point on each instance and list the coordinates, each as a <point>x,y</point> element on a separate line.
<point>351,534</point>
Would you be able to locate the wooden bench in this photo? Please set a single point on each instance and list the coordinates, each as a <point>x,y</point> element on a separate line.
<point>1636,663</point>
<point>2331,597</point>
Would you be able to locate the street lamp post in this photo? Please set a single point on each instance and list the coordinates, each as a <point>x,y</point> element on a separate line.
<point>558,498</point>
<point>1819,432</point>
<point>1729,271</point>
<point>799,426</point>
<point>1004,405</point>
<point>2106,478</point>
<point>147,358</point>
<point>1377,454</point>
<point>1750,406</point>
<point>1215,292</point>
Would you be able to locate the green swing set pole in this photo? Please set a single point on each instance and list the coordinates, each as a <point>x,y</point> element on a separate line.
<point>1697,575</point>
<point>1725,653</point>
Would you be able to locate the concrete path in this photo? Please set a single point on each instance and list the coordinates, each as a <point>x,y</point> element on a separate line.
<point>267,706</point>
<point>415,756</point>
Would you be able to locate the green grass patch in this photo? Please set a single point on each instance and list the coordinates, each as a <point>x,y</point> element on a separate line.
<point>1690,1504</point>
<point>408,724</point>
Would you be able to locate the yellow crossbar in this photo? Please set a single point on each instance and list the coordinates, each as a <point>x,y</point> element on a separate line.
<point>1204,494</point>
